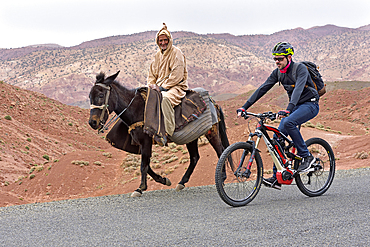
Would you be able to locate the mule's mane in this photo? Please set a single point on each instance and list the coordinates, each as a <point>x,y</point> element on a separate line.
<point>121,87</point>
<point>101,77</point>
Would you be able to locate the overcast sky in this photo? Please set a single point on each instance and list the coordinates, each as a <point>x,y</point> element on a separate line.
<point>71,22</point>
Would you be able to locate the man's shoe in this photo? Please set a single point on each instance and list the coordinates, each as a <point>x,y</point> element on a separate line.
<point>306,163</point>
<point>271,182</point>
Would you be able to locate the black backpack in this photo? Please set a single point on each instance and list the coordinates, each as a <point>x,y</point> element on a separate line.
<point>316,77</point>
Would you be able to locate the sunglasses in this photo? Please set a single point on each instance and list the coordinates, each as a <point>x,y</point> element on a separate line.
<point>278,59</point>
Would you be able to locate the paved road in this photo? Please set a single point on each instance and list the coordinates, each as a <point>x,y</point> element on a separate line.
<point>198,217</point>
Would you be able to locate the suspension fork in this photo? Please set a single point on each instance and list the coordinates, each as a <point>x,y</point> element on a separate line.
<point>254,144</point>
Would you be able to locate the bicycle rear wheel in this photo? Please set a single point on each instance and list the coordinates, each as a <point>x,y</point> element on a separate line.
<point>236,186</point>
<point>316,183</point>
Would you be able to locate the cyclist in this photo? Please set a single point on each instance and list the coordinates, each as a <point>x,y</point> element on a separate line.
<point>303,103</point>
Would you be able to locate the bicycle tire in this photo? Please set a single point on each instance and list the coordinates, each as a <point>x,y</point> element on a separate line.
<point>318,182</point>
<point>238,190</point>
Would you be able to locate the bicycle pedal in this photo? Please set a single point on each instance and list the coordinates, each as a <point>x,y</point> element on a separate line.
<point>273,186</point>
<point>276,186</point>
<point>317,166</point>
<point>311,169</point>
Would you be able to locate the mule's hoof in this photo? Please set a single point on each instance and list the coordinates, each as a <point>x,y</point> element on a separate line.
<point>168,182</point>
<point>136,194</point>
<point>180,187</point>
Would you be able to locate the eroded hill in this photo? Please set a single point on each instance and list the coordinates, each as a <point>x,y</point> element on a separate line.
<point>222,63</point>
<point>48,152</point>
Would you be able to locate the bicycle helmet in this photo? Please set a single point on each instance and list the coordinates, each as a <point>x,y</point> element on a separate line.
<point>283,49</point>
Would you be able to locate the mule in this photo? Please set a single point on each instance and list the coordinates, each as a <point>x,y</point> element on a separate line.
<point>107,95</point>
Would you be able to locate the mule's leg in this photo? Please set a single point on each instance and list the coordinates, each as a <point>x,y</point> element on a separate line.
<point>214,139</point>
<point>194,157</point>
<point>158,178</point>
<point>145,169</point>
<point>146,152</point>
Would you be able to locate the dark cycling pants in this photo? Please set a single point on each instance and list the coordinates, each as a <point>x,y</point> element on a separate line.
<point>288,126</point>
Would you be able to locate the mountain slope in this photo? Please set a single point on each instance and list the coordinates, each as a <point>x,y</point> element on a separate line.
<point>222,63</point>
<point>48,152</point>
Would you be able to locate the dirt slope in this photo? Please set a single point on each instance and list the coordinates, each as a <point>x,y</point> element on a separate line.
<point>48,151</point>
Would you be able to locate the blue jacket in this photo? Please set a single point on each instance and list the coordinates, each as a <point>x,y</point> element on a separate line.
<point>299,92</point>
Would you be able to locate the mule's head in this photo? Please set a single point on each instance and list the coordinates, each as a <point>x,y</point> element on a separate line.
<point>100,101</point>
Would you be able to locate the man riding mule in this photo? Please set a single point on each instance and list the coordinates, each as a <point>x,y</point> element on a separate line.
<point>168,74</point>
<point>145,113</point>
<point>107,95</point>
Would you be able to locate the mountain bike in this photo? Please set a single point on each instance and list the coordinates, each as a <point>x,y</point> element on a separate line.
<point>239,171</point>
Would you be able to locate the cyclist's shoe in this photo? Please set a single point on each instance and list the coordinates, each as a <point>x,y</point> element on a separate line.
<point>271,182</point>
<point>306,163</point>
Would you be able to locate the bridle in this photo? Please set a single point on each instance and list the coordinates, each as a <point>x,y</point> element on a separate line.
<point>104,109</point>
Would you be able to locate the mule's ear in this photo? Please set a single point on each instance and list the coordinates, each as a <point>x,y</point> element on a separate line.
<point>100,77</point>
<point>111,78</point>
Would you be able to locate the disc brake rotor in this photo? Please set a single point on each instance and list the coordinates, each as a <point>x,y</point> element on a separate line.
<point>240,175</point>
<point>319,168</point>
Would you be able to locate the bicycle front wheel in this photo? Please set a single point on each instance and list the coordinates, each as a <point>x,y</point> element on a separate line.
<point>316,183</point>
<point>238,185</point>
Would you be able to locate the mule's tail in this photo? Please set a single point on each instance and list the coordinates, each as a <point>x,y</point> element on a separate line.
<point>222,130</point>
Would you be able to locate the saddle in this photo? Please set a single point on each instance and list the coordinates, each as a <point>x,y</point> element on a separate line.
<point>191,108</point>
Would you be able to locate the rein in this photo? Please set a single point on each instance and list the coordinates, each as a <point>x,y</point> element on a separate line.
<point>104,108</point>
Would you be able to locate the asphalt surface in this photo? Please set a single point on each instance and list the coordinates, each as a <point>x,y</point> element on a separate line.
<point>198,217</point>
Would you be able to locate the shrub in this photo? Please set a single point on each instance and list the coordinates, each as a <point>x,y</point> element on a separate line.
<point>45,156</point>
<point>132,162</point>
<point>39,168</point>
<point>156,166</point>
<point>7,117</point>
<point>171,159</point>
<point>183,159</point>
<point>202,141</point>
<point>361,155</point>
<point>108,155</point>
<point>98,163</point>
<point>80,162</point>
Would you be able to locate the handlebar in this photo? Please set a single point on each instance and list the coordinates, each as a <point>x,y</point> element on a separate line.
<point>266,115</point>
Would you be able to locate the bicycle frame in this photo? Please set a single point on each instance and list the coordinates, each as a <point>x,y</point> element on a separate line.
<point>282,158</point>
